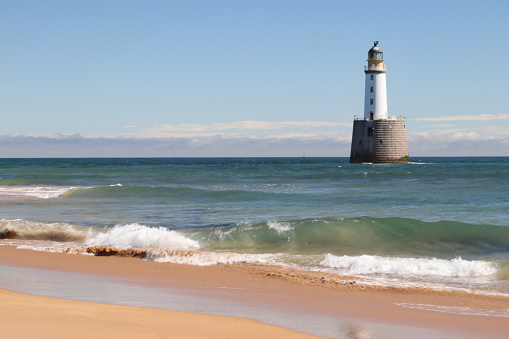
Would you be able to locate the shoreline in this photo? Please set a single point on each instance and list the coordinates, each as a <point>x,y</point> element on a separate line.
<point>283,289</point>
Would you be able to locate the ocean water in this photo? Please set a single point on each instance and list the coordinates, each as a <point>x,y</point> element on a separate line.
<point>439,223</point>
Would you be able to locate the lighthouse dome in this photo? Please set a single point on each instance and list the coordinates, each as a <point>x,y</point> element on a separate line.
<point>375,52</point>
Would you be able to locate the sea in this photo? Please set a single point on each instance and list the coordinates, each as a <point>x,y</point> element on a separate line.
<point>436,222</point>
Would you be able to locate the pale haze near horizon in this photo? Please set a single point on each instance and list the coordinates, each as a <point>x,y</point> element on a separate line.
<point>251,78</point>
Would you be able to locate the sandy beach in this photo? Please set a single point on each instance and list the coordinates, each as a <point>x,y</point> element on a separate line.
<point>263,286</point>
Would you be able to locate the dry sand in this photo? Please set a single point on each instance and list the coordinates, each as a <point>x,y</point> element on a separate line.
<point>267,286</point>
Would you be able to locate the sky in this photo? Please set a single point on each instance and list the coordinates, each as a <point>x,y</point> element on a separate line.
<point>203,78</point>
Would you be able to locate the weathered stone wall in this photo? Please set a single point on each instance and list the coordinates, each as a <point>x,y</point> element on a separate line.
<point>379,141</point>
<point>361,143</point>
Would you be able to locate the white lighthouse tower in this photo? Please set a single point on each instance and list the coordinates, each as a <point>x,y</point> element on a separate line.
<point>378,137</point>
<point>375,98</point>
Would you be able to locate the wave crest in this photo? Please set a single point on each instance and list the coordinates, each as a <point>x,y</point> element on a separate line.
<point>140,236</point>
<point>357,236</point>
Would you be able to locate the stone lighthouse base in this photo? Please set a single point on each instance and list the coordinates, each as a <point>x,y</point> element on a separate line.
<point>379,141</point>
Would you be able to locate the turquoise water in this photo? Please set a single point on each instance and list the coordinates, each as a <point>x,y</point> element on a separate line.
<point>435,220</point>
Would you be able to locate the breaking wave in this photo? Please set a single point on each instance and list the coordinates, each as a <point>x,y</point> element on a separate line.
<point>358,236</point>
<point>371,265</point>
<point>32,230</point>
<point>348,236</point>
<point>357,246</point>
<point>140,236</point>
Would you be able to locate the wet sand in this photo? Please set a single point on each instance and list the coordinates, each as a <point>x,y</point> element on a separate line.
<point>260,285</point>
<point>28,316</point>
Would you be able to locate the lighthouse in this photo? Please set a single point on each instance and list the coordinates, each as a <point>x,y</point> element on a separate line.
<point>378,137</point>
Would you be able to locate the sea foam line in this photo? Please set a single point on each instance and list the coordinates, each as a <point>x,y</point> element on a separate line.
<point>271,264</point>
<point>47,192</point>
<point>457,310</point>
<point>201,258</point>
<point>370,265</point>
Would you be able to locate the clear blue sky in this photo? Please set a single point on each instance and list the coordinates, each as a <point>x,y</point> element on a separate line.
<point>247,78</point>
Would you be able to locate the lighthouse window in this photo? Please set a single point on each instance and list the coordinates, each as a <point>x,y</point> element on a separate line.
<point>371,76</point>
<point>371,89</point>
<point>371,101</point>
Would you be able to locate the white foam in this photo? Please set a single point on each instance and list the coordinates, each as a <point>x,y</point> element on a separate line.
<point>206,258</point>
<point>45,246</point>
<point>140,236</point>
<point>368,264</point>
<point>34,192</point>
<point>457,310</point>
<point>279,227</point>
